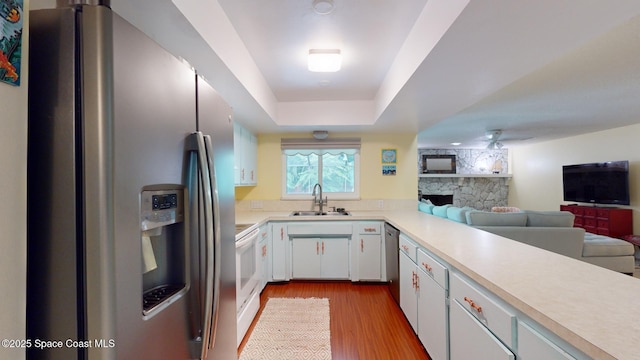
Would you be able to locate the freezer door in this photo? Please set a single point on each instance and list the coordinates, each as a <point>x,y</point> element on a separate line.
<point>215,121</point>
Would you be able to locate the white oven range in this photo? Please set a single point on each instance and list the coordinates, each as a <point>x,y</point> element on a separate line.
<point>248,276</point>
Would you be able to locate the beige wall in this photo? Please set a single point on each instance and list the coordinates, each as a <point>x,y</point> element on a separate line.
<point>13,192</point>
<point>373,185</point>
<point>537,174</point>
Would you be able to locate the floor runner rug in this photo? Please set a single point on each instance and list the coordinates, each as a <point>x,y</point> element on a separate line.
<point>291,328</point>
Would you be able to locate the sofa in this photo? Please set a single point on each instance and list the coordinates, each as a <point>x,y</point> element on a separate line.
<point>549,230</point>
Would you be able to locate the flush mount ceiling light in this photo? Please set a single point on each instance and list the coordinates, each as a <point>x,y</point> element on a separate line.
<point>320,134</point>
<point>323,7</point>
<point>324,60</point>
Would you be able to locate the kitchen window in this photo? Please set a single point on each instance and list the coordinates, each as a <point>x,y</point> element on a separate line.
<point>334,164</point>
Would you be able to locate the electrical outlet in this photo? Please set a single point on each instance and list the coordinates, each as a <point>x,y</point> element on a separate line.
<point>380,204</point>
<point>256,204</point>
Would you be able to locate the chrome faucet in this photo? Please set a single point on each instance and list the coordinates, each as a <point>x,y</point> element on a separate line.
<point>318,195</point>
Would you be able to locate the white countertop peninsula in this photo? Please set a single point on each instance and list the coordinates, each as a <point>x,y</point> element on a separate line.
<point>594,309</point>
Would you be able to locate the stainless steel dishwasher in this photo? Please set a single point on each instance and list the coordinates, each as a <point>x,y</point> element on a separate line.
<point>391,240</point>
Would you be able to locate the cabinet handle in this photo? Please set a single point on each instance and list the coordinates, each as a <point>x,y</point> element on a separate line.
<point>361,245</point>
<point>413,279</point>
<point>242,175</point>
<point>317,248</point>
<point>473,305</point>
<point>251,175</point>
<point>281,233</point>
<point>426,266</point>
<point>323,248</point>
<point>405,247</point>
<point>370,229</point>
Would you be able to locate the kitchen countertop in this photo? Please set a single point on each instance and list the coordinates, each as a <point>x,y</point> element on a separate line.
<point>594,309</point>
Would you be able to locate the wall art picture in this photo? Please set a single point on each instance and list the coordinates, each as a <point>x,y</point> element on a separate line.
<point>10,40</point>
<point>389,170</point>
<point>389,156</point>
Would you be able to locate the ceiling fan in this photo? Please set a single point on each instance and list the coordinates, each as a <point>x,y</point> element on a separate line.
<point>496,139</point>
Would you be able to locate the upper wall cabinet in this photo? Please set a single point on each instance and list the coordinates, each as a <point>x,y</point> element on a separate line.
<point>245,147</point>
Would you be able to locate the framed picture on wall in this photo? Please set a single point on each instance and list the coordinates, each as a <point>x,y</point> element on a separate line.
<point>389,156</point>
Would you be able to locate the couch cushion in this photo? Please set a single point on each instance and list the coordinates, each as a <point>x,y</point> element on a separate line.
<point>458,214</point>
<point>425,208</point>
<point>600,245</point>
<point>440,211</point>
<point>549,218</point>
<point>485,218</point>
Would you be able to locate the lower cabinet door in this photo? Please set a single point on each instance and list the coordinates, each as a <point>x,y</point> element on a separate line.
<point>335,258</point>
<point>408,301</point>
<point>306,258</point>
<point>432,317</point>
<point>470,339</point>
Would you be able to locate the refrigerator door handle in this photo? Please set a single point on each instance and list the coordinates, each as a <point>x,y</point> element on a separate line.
<point>200,343</point>
<point>217,240</point>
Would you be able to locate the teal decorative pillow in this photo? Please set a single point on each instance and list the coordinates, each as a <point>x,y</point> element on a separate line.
<point>440,211</point>
<point>549,218</point>
<point>485,218</point>
<point>457,214</point>
<point>425,208</point>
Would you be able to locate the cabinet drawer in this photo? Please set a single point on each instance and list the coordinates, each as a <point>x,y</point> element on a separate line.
<point>492,315</point>
<point>590,222</point>
<point>577,222</point>
<point>433,268</point>
<point>408,247</point>
<point>590,212</point>
<point>369,228</point>
<point>264,232</point>
<point>471,340</point>
<point>603,224</point>
<point>603,213</point>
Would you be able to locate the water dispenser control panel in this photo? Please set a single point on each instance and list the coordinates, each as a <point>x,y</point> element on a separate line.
<point>161,207</point>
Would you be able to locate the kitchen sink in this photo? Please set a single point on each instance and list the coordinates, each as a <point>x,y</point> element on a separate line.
<point>318,213</point>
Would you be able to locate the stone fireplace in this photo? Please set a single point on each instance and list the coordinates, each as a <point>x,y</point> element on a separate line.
<point>480,188</point>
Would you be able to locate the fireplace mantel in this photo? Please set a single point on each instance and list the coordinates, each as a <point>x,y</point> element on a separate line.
<point>464,175</point>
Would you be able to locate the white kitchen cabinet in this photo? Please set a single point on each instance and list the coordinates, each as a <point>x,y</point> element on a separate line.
<point>367,249</point>
<point>423,298</point>
<point>472,340</point>
<point>433,312</point>
<point>320,258</point>
<point>532,345</point>
<point>265,255</point>
<point>280,247</point>
<point>408,292</point>
<point>245,147</point>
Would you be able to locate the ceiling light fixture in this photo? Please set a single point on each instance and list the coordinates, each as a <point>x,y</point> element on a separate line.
<point>495,145</point>
<point>320,134</point>
<point>324,60</point>
<point>323,7</point>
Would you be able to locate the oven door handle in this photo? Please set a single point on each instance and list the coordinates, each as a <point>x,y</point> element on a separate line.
<point>247,240</point>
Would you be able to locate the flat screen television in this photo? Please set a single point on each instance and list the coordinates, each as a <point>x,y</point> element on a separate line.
<point>597,183</point>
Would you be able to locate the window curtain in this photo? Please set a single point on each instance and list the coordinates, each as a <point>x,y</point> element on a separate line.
<point>305,146</point>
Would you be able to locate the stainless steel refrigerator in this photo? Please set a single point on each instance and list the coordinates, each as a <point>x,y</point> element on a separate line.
<point>131,251</point>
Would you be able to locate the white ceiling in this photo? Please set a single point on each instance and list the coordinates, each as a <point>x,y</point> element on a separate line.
<point>446,69</point>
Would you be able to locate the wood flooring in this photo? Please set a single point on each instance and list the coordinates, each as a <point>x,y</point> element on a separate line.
<point>366,323</point>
